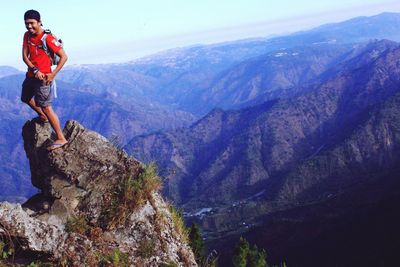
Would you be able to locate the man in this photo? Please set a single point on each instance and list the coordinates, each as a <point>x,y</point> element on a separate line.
<point>39,77</point>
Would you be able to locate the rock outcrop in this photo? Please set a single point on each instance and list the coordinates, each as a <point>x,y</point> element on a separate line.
<point>97,206</point>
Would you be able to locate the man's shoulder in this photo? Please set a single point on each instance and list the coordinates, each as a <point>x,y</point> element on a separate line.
<point>49,36</point>
<point>52,42</point>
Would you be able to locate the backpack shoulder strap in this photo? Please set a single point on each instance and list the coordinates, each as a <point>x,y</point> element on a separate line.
<point>44,40</point>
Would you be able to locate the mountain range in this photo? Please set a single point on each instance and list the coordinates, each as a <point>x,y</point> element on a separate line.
<point>330,146</point>
<point>188,78</point>
<point>228,155</point>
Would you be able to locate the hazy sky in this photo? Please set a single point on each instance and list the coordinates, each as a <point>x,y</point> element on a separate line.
<point>96,31</point>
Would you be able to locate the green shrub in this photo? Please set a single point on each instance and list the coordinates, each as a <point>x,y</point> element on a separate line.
<point>40,264</point>
<point>257,258</point>
<point>196,242</point>
<point>241,253</point>
<point>2,246</point>
<point>77,224</point>
<point>168,264</point>
<point>246,255</point>
<point>115,259</point>
<point>5,250</point>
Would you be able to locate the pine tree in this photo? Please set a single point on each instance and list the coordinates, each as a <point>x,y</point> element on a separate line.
<point>196,242</point>
<point>241,253</point>
<point>257,258</point>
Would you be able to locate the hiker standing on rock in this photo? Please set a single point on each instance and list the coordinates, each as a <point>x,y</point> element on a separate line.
<point>39,49</point>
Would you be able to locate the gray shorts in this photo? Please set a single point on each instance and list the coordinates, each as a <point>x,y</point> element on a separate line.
<point>32,87</point>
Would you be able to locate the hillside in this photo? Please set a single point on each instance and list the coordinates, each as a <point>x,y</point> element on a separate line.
<point>230,155</point>
<point>344,201</point>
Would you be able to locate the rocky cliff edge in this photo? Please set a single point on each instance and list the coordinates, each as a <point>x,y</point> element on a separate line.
<point>96,207</point>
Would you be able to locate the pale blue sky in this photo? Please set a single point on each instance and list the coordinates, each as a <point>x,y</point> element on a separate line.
<point>122,30</point>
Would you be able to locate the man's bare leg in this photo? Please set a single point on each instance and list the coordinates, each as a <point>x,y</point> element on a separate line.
<point>38,110</point>
<point>55,123</point>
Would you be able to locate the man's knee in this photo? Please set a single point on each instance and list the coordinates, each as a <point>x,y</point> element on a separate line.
<point>47,109</point>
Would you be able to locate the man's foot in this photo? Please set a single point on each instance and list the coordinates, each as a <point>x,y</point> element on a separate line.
<point>42,119</point>
<point>57,144</point>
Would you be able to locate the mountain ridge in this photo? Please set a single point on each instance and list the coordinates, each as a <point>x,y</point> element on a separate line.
<point>281,131</point>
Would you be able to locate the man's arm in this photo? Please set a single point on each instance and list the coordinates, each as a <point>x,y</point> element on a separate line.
<point>25,57</point>
<point>63,58</point>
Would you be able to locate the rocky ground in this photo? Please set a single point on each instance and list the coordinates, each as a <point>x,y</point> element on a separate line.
<point>97,206</point>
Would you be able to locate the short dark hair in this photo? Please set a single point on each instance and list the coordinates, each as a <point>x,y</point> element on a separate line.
<point>32,14</point>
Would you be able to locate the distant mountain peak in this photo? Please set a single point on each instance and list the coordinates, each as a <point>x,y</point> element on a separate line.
<point>7,70</point>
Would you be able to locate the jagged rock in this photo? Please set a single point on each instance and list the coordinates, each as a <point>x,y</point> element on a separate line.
<point>80,180</point>
<point>33,234</point>
<point>81,174</point>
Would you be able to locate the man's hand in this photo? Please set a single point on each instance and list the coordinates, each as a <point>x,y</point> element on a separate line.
<point>39,75</point>
<point>49,78</point>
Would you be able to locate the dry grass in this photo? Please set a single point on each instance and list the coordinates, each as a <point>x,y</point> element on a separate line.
<point>146,249</point>
<point>160,222</point>
<point>130,193</point>
<point>179,224</point>
<point>211,260</point>
<point>184,256</point>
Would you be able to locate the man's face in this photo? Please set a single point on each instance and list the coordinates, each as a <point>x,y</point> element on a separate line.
<point>33,26</point>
